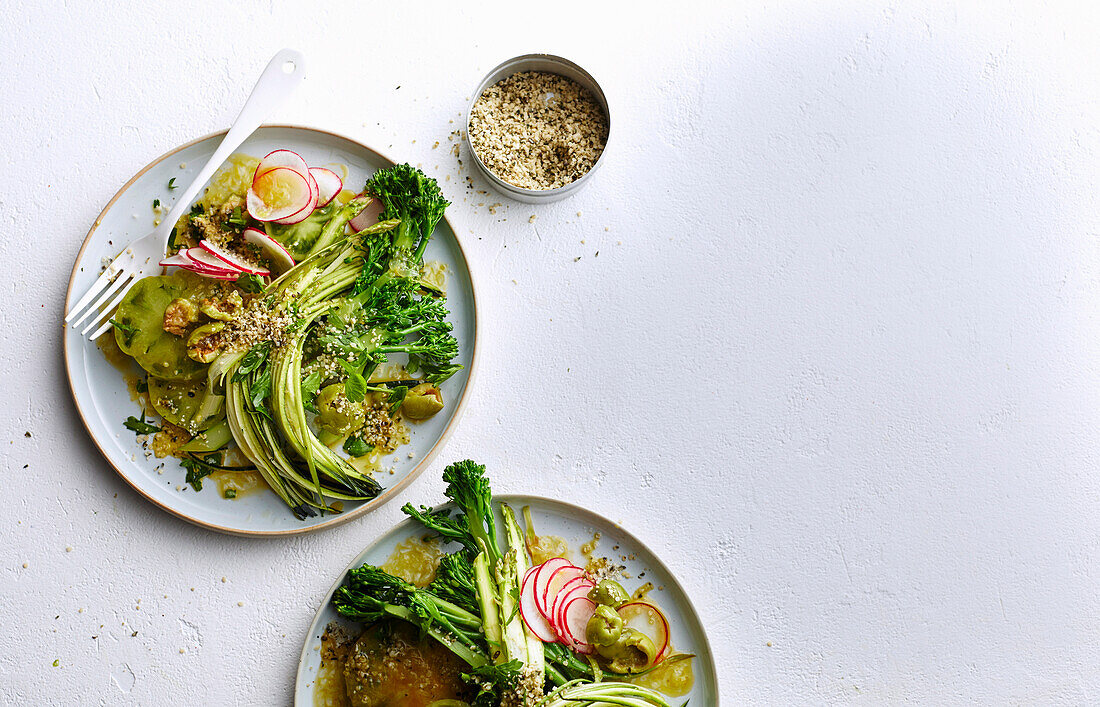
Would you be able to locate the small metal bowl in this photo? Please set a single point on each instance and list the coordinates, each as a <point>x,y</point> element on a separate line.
<point>547,63</point>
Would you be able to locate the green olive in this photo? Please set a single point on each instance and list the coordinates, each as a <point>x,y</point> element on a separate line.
<point>202,345</point>
<point>609,593</point>
<point>180,314</point>
<point>141,332</point>
<point>605,627</point>
<point>338,414</point>
<point>633,652</point>
<point>422,402</point>
<point>223,308</point>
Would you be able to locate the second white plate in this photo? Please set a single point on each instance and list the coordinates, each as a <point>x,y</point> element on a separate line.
<point>576,526</point>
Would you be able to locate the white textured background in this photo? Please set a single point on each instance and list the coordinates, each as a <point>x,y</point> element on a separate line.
<point>837,360</point>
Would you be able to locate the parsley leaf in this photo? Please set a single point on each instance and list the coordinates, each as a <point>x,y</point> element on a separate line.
<point>252,360</point>
<point>231,493</point>
<point>156,203</point>
<point>139,425</point>
<point>250,283</point>
<point>356,447</point>
<point>260,390</point>
<point>198,469</point>
<point>355,387</point>
<point>172,183</point>
<point>397,396</point>
<point>128,330</point>
<point>309,390</point>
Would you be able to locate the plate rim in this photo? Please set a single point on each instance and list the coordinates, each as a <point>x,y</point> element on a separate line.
<point>583,514</point>
<point>339,519</point>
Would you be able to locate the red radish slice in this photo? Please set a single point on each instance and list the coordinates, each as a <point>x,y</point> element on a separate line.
<point>207,271</point>
<point>575,623</point>
<point>282,158</point>
<point>277,194</point>
<point>206,260</point>
<point>555,604</point>
<point>211,272</point>
<point>647,618</point>
<point>179,260</point>
<point>559,579</point>
<point>558,621</point>
<point>532,617</point>
<point>212,275</point>
<point>272,248</point>
<point>294,161</point>
<point>328,183</point>
<point>542,578</point>
<point>367,218</point>
<point>205,264</point>
<point>306,210</point>
<point>232,260</point>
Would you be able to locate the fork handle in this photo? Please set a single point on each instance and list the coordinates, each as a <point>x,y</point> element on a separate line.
<point>283,73</point>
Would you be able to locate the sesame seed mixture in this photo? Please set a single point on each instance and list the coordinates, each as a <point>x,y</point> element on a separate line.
<point>537,130</point>
<point>258,322</point>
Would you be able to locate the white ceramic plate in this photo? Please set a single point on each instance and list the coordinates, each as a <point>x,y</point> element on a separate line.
<point>576,525</point>
<point>100,392</point>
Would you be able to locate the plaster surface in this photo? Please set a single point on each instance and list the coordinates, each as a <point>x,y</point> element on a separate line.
<point>822,332</point>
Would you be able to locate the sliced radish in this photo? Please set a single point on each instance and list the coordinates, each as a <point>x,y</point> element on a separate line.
<point>542,578</point>
<point>278,193</point>
<point>282,158</point>
<point>558,579</point>
<point>575,619</point>
<point>306,210</point>
<point>206,260</point>
<point>232,260</point>
<point>212,274</point>
<point>179,260</point>
<point>555,605</point>
<point>532,617</point>
<point>647,618</point>
<point>271,248</point>
<point>328,183</point>
<point>215,273</point>
<point>558,620</point>
<point>289,160</point>
<point>367,217</point>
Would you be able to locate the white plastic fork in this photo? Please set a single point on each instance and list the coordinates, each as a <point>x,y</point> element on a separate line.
<point>142,257</point>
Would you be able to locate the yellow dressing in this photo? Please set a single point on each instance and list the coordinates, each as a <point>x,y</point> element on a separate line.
<point>233,178</point>
<point>672,678</point>
<point>543,547</point>
<point>241,483</point>
<point>414,560</point>
<point>329,689</point>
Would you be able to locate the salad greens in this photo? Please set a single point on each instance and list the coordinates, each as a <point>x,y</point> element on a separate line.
<point>285,373</point>
<point>472,608</point>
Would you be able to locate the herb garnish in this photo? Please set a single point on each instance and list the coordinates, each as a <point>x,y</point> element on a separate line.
<point>355,446</point>
<point>128,330</point>
<point>139,425</point>
<point>253,284</point>
<point>237,218</point>
<point>172,183</point>
<point>252,360</point>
